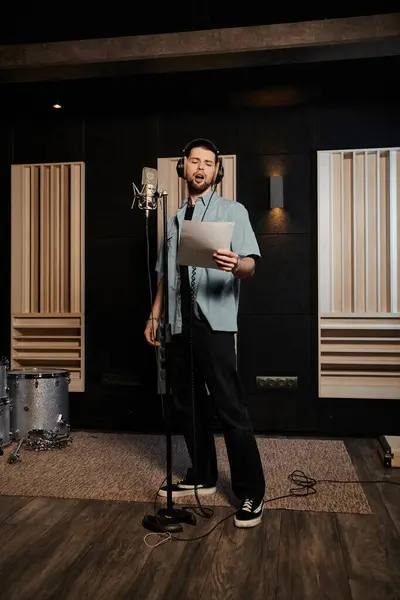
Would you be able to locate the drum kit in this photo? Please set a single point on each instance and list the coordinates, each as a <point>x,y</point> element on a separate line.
<point>34,409</point>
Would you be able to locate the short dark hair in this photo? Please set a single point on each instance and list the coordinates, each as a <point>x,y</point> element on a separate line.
<point>201,143</point>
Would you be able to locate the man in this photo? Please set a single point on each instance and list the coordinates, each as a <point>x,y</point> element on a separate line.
<point>203,305</point>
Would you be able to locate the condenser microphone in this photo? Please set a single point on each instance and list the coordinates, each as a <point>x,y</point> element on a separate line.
<point>149,189</point>
<point>147,197</point>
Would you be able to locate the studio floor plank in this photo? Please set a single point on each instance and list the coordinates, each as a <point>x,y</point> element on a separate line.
<point>39,568</point>
<point>9,505</point>
<point>311,561</point>
<point>371,543</point>
<point>113,561</point>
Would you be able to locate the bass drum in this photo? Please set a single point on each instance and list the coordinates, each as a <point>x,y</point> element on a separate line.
<point>40,400</point>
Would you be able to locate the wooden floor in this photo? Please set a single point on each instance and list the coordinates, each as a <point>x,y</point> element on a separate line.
<point>73,550</point>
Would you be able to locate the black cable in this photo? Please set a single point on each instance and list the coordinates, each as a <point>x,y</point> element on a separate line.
<point>158,360</point>
<point>302,481</point>
<point>303,486</point>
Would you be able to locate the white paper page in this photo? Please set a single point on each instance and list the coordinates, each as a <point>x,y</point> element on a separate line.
<point>200,239</point>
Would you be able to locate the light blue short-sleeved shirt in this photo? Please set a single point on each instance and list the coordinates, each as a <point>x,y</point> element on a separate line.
<point>216,292</point>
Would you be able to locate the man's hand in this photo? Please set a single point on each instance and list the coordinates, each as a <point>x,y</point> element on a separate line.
<point>150,333</point>
<point>241,268</point>
<point>226,260</point>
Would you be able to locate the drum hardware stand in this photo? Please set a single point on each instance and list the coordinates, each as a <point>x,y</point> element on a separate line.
<point>41,440</point>
<point>168,519</point>
<point>62,426</point>
<point>14,456</point>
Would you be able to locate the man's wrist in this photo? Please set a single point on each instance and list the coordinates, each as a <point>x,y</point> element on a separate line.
<point>237,266</point>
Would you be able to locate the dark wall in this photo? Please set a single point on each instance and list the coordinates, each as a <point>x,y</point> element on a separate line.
<point>264,116</point>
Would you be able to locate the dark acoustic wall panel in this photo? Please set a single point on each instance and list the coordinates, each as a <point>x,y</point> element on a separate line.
<point>279,345</point>
<point>49,139</point>
<point>359,125</point>
<point>282,283</point>
<point>288,130</point>
<point>117,149</point>
<point>120,252</point>
<point>278,306</point>
<point>6,149</point>
<point>298,170</point>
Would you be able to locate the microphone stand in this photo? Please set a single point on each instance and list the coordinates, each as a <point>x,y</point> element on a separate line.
<point>167,519</point>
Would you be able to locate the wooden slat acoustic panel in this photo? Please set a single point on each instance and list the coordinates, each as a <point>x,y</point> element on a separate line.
<point>359,277</point>
<point>360,356</point>
<point>47,268</point>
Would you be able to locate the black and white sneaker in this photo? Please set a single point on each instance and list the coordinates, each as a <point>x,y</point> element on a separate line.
<point>250,513</point>
<point>186,487</point>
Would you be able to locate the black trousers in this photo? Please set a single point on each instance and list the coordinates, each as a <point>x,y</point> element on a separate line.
<point>214,365</point>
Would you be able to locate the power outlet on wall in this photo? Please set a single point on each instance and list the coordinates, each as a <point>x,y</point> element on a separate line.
<point>265,382</point>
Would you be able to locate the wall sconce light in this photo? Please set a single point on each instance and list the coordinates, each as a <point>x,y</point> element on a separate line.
<point>276,191</point>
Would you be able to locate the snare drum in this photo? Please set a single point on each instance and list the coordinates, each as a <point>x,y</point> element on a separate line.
<point>5,424</point>
<point>4,364</point>
<point>40,400</point>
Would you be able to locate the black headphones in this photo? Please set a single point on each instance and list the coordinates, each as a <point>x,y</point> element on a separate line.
<point>182,162</point>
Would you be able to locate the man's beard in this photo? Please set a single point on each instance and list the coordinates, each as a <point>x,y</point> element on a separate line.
<point>198,188</point>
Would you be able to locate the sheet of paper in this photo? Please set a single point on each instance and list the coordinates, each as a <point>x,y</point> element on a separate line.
<point>200,239</point>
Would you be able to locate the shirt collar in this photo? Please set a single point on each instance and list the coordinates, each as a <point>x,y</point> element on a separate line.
<point>204,199</point>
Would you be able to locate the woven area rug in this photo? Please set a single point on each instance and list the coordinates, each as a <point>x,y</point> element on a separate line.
<point>131,468</point>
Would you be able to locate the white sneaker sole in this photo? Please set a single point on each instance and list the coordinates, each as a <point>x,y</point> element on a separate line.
<point>189,492</point>
<point>251,523</point>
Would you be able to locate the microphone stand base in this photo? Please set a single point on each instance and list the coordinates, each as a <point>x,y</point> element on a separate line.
<point>168,521</point>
